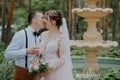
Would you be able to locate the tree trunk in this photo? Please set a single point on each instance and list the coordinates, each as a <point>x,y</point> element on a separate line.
<point>71,29</point>
<point>3,20</point>
<point>65,8</point>
<point>106,23</point>
<point>8,29</point>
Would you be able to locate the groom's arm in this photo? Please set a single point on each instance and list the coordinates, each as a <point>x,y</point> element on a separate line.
<point>15,48</point>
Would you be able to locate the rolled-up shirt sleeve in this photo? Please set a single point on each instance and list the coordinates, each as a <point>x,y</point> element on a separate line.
<point>15,49</point>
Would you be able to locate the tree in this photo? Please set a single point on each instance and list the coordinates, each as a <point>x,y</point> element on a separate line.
<point>71,27</point>
<point>114,19</point>
<point>106,23</point>
<point>3,19</point>
<point>8,28</point>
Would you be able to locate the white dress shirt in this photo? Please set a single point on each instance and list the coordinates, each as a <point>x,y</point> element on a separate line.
<point>17,47</point>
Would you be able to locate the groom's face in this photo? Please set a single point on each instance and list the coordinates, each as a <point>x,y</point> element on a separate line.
<point>40,21</point>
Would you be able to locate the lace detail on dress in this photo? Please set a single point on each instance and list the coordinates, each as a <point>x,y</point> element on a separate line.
<point>61,71</point>
<point>50,50</point>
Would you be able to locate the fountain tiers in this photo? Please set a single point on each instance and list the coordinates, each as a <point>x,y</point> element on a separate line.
<point>93,41</point>
<point>92,35</point>
<point>91,13</point>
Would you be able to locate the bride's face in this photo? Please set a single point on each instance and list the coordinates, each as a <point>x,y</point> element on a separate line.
<point>48,23</point>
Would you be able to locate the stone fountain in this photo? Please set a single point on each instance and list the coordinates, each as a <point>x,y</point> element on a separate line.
<point>92,39</point>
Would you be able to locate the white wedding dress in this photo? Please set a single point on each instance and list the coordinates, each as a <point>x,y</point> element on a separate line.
<point>50,48</point>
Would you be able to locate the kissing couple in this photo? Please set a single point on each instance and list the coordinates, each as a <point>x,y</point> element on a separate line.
<point>52,46</point>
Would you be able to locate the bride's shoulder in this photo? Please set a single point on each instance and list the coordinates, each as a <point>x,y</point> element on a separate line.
<point>44,33</point>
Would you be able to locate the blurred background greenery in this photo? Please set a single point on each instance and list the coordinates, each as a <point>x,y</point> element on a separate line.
<point>13,17</point>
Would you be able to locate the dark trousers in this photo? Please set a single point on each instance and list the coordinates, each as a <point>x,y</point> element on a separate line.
<point>22,74</point>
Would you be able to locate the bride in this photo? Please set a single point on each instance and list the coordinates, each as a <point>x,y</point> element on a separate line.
<point>55,47</point>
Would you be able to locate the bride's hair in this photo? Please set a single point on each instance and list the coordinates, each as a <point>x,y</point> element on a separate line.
<point>55,15</point>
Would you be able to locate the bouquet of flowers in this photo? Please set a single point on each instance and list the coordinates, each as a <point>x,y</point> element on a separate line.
<point>38,66</point>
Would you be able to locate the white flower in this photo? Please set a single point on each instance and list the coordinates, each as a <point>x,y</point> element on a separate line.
<point>43,63</point>
<point>41,60</point>
<point>36,67</point>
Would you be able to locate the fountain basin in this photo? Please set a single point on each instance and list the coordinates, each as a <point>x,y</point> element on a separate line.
<point>99,45</point>
<point>91,12</point>
<point>104,62</point>
<point>92,49</point>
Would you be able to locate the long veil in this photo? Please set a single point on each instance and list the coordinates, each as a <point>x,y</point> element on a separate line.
<point>64,30</point>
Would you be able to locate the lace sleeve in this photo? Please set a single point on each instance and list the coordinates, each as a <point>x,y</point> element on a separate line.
<point>61,53</point>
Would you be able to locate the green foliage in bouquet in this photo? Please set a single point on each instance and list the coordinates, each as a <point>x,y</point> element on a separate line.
<point>38,66</point>
<point>44,68</point>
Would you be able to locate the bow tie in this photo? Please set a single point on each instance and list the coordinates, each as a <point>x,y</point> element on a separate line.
<point>36,33</point>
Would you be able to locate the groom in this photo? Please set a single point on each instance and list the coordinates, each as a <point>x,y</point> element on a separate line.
<point>23,46</point>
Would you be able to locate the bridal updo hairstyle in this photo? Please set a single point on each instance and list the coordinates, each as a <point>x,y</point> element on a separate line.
<point>55,15</point>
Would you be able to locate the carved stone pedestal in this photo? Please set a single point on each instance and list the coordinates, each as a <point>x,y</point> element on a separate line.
<point>91,61</point>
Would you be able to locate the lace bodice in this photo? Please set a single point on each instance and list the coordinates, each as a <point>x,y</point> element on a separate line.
<point>53,49</point>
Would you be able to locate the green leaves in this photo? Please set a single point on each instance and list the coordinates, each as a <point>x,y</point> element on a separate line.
<point>2,46</point>
<point>43,5</point>
<point>1,57</point>
<point>112,52</point>
<point>38,66</point>
<point>113,74</point>
<point>80,52</point>
<point>6,68</point>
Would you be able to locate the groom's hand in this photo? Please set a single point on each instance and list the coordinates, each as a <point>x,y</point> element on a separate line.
<point>34,50</point>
